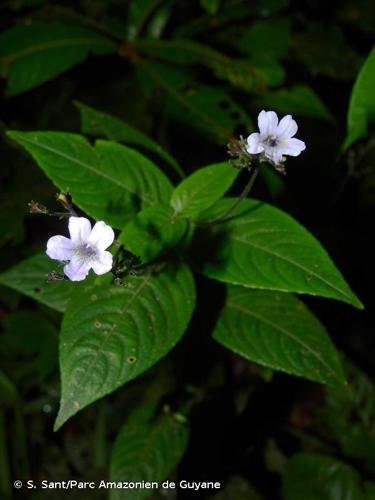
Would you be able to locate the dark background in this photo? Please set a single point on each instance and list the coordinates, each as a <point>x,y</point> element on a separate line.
<point>246,422</point>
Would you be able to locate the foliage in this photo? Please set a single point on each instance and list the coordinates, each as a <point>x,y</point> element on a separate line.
<point>214,326</point>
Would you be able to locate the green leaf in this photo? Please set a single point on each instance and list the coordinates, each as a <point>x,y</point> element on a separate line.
<point>146,449</point>
<point>159,20</point>
<point>100,124</point>
<point>266,39</point>
<point>347,417</point>
<point>277,330</point>
<point>31,54</point>
<point>207,108</point>
<point>362,102</point>
<point>138,14</point>
<point>211,6</point>
<point>210,110</point>
<point>300,100</point>
<point>311,476</point>
<point>260,246</point>
<point>111,334</point>
<point>266,43</point>
<point>30,278</point>
<point>110,182</point>
<point>202,189</point>
<point>152,232</point>
<point>240,73</point>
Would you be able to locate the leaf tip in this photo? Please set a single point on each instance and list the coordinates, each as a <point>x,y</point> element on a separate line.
<point>67,410</point>
<point>11,133</point>
<point>355,302</point>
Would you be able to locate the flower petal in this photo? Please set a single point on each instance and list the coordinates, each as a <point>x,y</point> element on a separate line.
<point>254,144</point>
<point>267,123</point>
<point>79,229</point>
<point>77,270</point>
<point>59,248</point>
<point>101,236</point>
<point>287,127</point>
<point>103,263</point>
<point>293,147</point>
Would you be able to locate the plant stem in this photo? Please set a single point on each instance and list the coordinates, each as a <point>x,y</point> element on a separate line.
<point>232,208</point>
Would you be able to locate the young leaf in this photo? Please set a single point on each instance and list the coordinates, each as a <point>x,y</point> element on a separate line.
<point>30,278</point>
<point>277,330</point>
<point>152,232</point>
<point>202,189</point>
<point>110,182</point>
<point>260,246</point>
<point>362,102</point>
<point>31,54</point>
<point>100,124</point>
<point>147,449</point>
<point>111,334</point>
<point>311,476</point>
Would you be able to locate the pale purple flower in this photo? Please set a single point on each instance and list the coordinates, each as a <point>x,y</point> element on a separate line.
<point>275,138</point>
<point>85,250</point>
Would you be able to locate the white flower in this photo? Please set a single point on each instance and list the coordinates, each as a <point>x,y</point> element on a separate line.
<point>85,250</point>
<point>275,139</point>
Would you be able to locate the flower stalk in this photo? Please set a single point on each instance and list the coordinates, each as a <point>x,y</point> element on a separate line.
<point>243,195</point>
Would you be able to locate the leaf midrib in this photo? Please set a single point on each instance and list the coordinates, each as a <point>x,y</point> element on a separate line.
<point>87,166</point>
<point>296,264</point>
<point>123,311</point>
<point>187,200</point>
<point>289,334</point>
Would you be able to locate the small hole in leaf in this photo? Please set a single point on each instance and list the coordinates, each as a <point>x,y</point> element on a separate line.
<point>132,359</point>
<point>97,324</point>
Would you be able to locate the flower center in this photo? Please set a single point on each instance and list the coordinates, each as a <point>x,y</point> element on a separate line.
<point>85,251</point>
<point>271,141</point>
